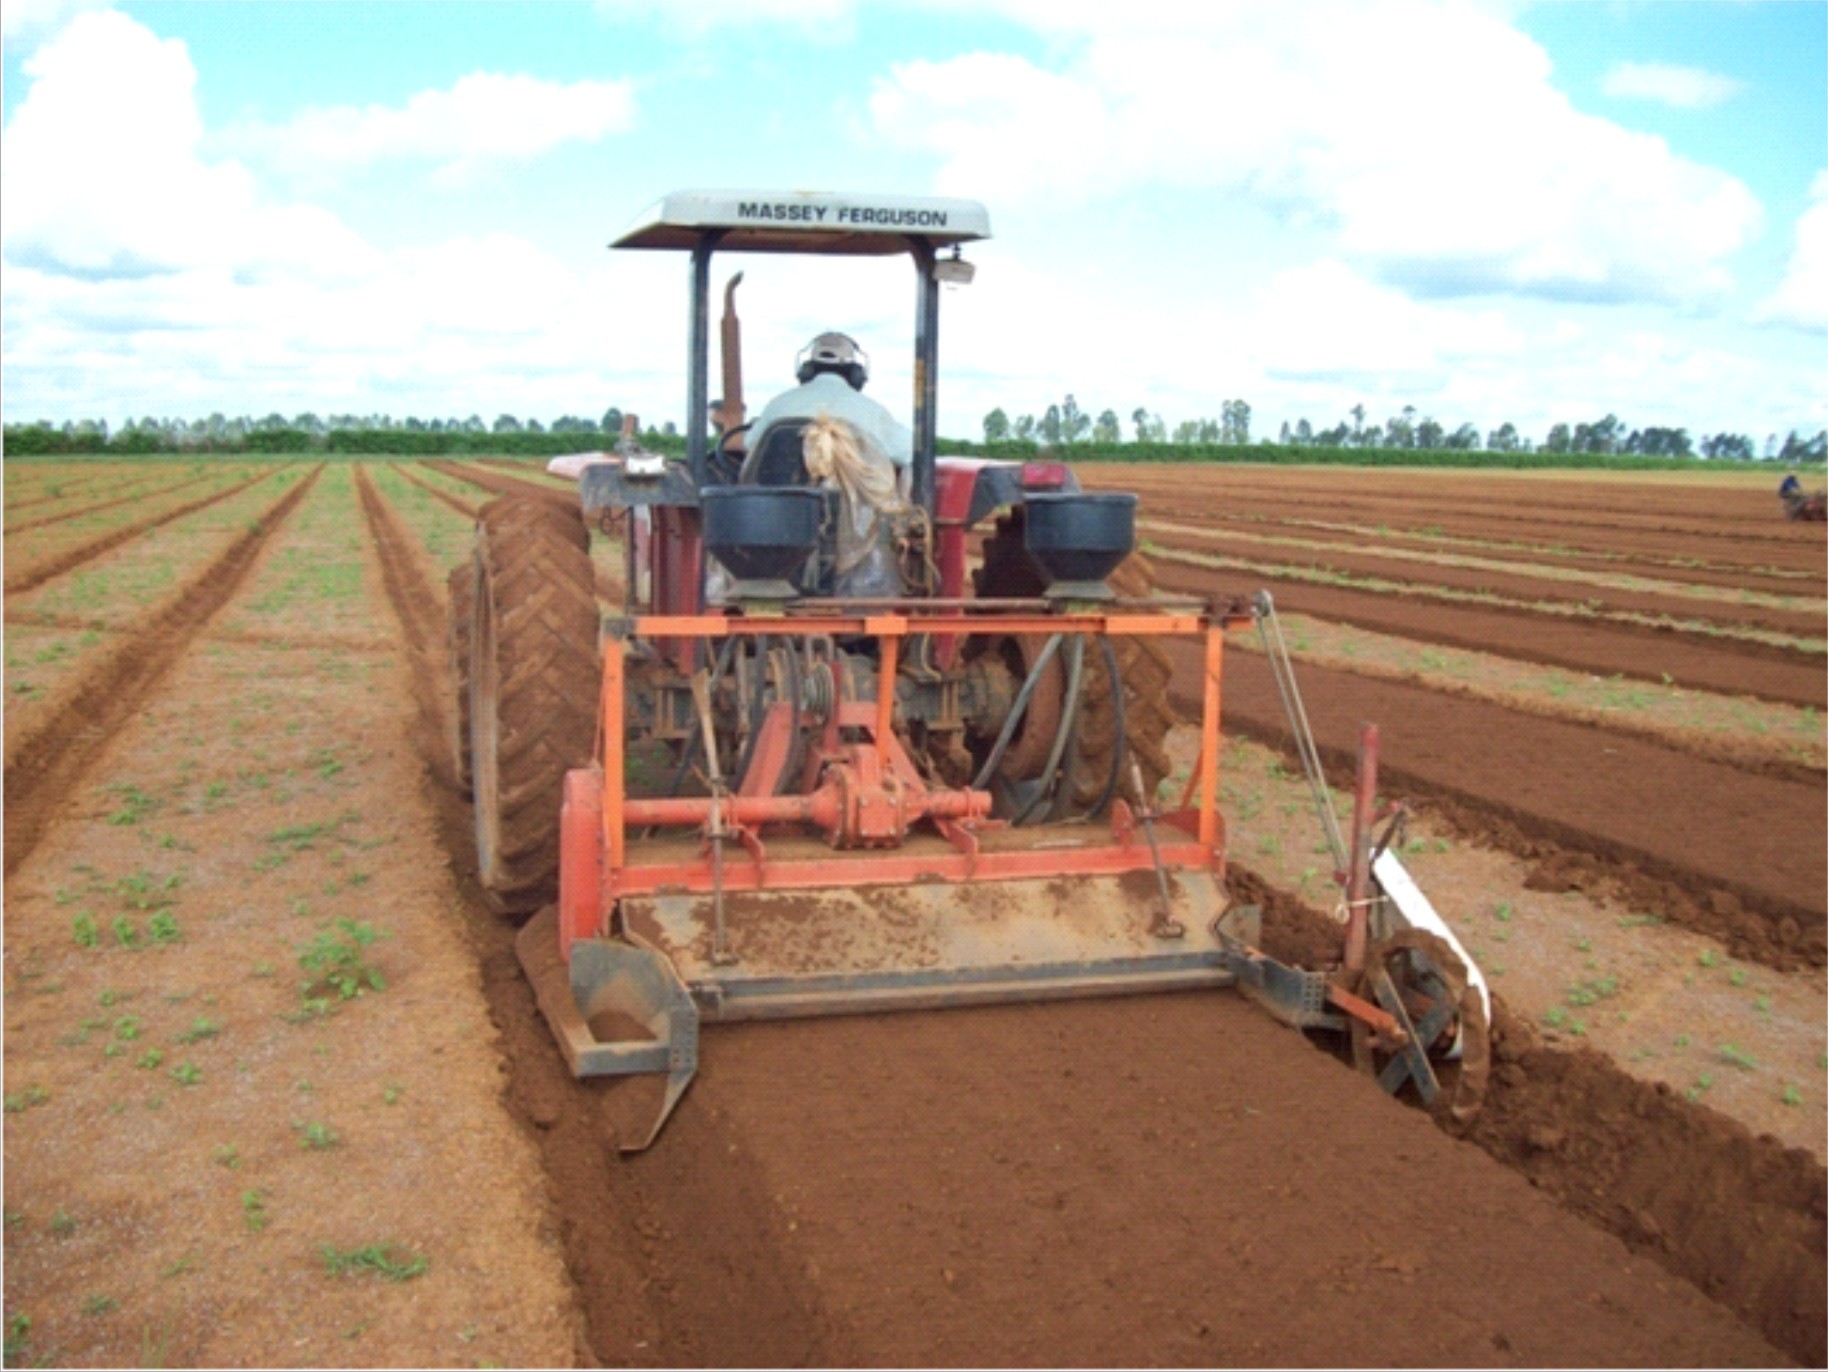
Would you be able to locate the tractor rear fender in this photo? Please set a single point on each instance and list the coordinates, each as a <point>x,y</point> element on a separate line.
<point>968,490</point>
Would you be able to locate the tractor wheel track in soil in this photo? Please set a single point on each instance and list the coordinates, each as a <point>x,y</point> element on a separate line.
<point>26,525</point>
<point>1506,580</point>
<point>1731,853</point>
<point>32,577</point>
<point>1761,671</point>
<point>48,763</point>
<point>689,1255</point>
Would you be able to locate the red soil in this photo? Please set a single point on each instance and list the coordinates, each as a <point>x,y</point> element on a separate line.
<point>1162,1180</point>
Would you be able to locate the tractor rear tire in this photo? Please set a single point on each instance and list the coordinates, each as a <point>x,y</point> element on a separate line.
<point>1143,667</point>
<point>457,647</point>
<point>534,683</point>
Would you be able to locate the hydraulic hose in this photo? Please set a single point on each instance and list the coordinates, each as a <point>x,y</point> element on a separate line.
<point>1069,711</point>
<point>1016,712</point>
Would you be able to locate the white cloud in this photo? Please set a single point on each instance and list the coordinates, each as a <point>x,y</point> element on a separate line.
<point>1480,178</point>
<point>484,117</point>
<point>144,277</point>
<point>1688,88</point>
<point>103,179</point>
<point>26,23</point>
<point>1802,298</point>
<point>831,20</point>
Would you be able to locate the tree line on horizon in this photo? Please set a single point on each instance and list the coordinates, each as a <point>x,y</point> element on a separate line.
<point>1064,424</point>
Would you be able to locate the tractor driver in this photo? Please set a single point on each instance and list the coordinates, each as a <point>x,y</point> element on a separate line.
<point>831,371</point>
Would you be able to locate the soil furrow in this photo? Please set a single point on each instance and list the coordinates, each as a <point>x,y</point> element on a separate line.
<point>457,503</point>
<point>814,1261</point>
<point>1510,580</point>
<point>1413,502</point>
<point>420,608</point>
<point>34,576</point>
<point>1731,853</point>
<point>1662,1173</point>
<point>1504,544</point>
<point>289,639</point>
<point>1517,597</point>
<point>624,1298</point>
<point>22,527</point>
<point>505,485</point>
<point>47,764</point>
<point>68,490</point>
<point>1761,671</point>
<point>1762,756</point>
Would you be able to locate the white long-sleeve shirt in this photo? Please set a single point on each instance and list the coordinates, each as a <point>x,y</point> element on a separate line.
<point>831,393</point>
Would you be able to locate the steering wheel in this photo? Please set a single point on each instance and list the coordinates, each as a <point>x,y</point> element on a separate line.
<point>725,464</point>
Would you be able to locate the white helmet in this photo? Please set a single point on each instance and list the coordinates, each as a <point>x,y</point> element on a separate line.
<point>833,352</point>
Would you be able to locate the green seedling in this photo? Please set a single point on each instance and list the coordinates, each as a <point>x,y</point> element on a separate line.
<point>226,1155</point>
<point>125,933</point>
<point>187,1073</point>
<point>151,1058</point>
<point>99,1304</point>
<point>82,929</point>
<point>336,962</point>
<point>254,1210</point>
<point>1733,1053</point>
<point>391,1092</point>
<point>18,1344</point>
<point>136,805</point>
<point>383,1259</point>
<point>200,1028</point>
<point>315,1135</point>
<point>163,927</point>
<point>62,1223</point>
<point>127,1028</point>
<point>18,1102</point>
<point>1791,1096</point>
<point>1709,958</point>
<point>1503,913</point>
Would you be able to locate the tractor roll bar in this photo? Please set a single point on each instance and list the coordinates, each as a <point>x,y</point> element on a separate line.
<point>926,364</point>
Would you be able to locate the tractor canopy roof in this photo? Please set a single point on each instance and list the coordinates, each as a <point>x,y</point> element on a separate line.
<point>824,222</point>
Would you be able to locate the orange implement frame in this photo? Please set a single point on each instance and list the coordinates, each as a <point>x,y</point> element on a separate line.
<point>956,813</point>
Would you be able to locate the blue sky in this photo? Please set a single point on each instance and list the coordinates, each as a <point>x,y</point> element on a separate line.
<point>1490,211</point>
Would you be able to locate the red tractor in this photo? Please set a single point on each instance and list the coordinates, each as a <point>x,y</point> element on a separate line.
<point>753,790</point>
